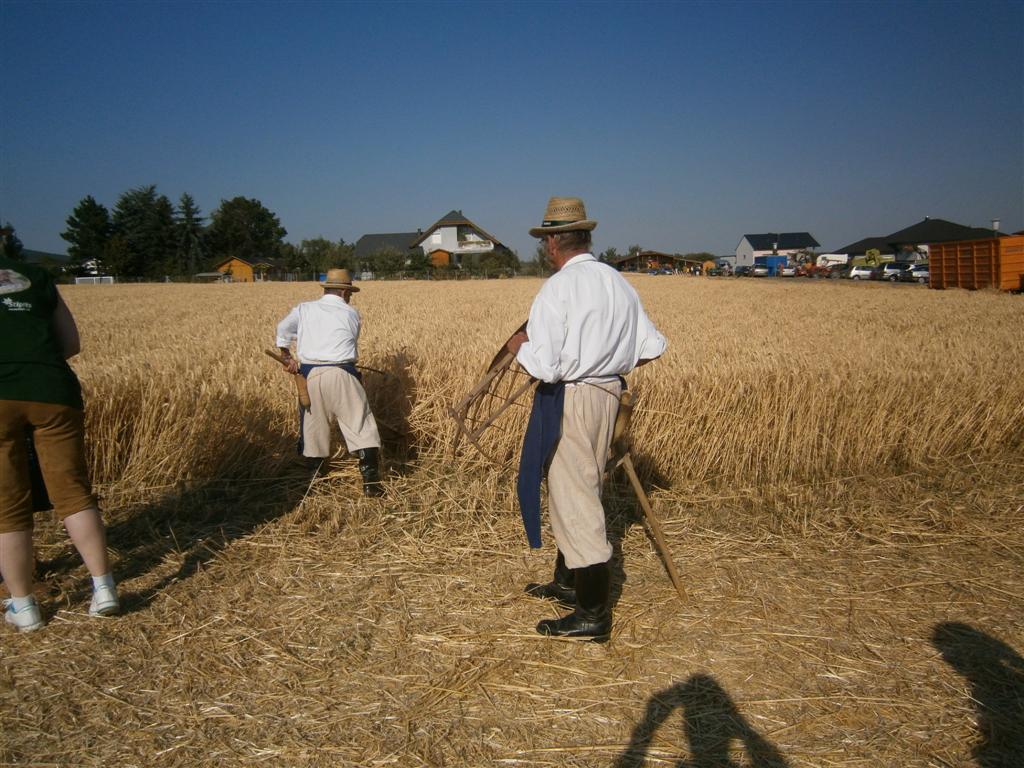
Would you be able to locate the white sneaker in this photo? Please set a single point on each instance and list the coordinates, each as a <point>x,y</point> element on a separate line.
<point>104,602</point>
<point>27,619</point>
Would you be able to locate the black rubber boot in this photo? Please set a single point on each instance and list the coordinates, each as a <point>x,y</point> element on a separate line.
<point>314,466</point>
<point>592,619</point>
<point>561,588</point>
<point>369,468</point>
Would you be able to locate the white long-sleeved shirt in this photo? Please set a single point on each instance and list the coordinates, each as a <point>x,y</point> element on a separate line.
<point>587,322</point>
<point>325,331</point>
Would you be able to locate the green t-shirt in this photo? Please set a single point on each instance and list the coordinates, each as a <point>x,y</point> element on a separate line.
<point>32,366</point>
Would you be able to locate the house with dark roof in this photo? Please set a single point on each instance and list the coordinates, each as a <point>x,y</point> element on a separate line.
<point>446,242</point>
<point>773,244</point>
<point>910,239</point>
<point>453,237</point>
<point>909,243</point>
<point>861,247</point>
<point>368,246</point>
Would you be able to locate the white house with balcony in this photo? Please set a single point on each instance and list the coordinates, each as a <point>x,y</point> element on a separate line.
<point>453,237</point>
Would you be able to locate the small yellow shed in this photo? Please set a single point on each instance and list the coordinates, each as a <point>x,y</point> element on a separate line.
<point>239,270</point>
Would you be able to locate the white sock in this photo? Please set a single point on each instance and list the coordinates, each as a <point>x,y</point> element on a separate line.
<point>21,603</point>
<point>106,580</point>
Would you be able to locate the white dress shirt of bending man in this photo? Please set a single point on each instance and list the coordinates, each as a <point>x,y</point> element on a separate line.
<point>586,329</point>
<point>326,334</point>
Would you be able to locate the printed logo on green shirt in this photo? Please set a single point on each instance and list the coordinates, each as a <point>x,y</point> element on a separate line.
<point>16,306</point>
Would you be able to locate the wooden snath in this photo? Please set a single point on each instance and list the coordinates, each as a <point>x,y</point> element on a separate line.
<point>501,387</point>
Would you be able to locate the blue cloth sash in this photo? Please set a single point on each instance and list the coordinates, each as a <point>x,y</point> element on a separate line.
<point>304,369</point>
<point>542,433</point>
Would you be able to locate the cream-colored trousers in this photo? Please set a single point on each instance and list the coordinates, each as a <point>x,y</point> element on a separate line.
<point>576,473</point>
<point>336,394</point>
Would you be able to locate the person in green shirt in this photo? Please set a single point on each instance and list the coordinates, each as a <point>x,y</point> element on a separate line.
<point>40,394</point>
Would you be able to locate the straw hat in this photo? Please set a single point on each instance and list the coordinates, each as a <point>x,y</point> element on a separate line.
<point>564,214</point>
<point>339,278</point>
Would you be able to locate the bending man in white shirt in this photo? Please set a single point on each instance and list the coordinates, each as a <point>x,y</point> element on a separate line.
<point>325,334</point>
<point>586,329</point>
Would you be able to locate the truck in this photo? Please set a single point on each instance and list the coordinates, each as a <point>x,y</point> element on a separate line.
<point>831,259</point>
<point>994,263</point>
<point>822,266</point>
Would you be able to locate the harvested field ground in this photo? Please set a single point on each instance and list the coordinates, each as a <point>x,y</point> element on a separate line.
<point>839,470</point>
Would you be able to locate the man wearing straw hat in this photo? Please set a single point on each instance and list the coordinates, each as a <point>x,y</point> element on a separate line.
<point>326,334</point>
<point>586,329</point>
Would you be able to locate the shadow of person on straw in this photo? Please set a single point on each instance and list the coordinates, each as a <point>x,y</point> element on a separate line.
<point>166,537</point>
<point>996,674</point>
<point>712,726</point>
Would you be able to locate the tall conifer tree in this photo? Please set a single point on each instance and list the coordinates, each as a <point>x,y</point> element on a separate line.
<point>88,233</point>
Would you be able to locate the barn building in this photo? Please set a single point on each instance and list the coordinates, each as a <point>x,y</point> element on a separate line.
<point>772,244</point>
<point>237,270</point>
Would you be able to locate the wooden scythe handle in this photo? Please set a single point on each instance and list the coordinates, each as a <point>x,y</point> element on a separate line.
<point>503,357</point>
<point>620,457</point>
<point>300,381</point>
<point>654,525</point>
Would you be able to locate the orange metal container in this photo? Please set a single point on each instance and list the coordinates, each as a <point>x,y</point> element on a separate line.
<point>974,264</point>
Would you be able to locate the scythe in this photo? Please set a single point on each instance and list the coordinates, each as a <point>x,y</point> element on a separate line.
<point>500,388</point>
<point>301,390</point>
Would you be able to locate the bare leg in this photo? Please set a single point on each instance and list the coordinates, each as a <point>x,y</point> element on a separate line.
<point>89,536</point>
<point>17,562</point>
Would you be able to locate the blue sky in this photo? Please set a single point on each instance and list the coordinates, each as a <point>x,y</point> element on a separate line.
<point>682,125</point>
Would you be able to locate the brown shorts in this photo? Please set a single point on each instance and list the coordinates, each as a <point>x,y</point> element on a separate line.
<point>59,438</point>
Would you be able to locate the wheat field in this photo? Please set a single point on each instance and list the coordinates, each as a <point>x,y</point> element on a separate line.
<point>838,468</point>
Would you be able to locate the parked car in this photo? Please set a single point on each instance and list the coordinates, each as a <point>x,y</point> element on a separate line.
<point>836,271</point>
<point>743,271</point>
<point>759,270</point>
<point>915,273</point>
<point>789,270</point>
<point>860,272</point>
<point>891,270</point>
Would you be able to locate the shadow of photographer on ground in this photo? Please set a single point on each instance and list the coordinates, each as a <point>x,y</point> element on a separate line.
<point>996,674</point>
<point>712,724</point>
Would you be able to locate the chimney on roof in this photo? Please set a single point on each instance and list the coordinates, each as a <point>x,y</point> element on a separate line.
<point>995,225</point>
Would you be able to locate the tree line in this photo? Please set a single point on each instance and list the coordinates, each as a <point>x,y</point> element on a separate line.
<point>146,236</point>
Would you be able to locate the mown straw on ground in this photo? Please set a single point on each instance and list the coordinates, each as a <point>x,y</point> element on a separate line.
<point>840,612</point>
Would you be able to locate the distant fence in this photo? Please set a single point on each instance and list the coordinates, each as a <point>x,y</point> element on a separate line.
<point>93,280</point>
